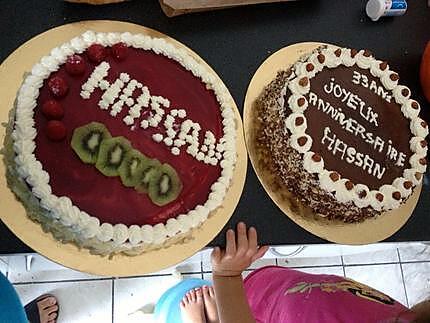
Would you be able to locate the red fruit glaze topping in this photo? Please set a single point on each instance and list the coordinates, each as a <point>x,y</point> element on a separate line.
<point>58,86</point>
<point>96,53</point>
<point>119,51</point>
<point>55,130</point>
<point>52,110</point>
<point>75,65</point>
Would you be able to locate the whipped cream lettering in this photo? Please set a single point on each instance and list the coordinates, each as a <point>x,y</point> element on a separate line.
<point>340,148</point>
<point>179,131</point>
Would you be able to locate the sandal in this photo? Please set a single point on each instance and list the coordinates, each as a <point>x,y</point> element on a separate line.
<point>32,310</point>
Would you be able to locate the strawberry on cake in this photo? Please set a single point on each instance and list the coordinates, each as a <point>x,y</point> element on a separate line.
<point>120,142</point>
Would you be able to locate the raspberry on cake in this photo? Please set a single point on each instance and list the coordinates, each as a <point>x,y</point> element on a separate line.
<point>339,132</point>
<point>124,143</point>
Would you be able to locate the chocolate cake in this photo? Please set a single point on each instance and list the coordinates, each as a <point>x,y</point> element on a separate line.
<point>338,131</point>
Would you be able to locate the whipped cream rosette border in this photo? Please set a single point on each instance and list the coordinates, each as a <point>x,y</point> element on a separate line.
<point>388,196</point>
<point>61,208</point>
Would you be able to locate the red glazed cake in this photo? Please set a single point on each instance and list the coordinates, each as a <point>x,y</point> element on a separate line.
<point>338,131</point>
<point>121,143</point>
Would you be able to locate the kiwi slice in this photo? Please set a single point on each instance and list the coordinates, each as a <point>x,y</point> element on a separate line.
<point>86,141</point>
<point>166,187</point>
<point>111,154</point>
<point>149,172</point>
<point>130,167</point>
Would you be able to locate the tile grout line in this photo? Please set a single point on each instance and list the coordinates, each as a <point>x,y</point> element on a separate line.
<point>60,281</point>
<point>201,269</point>
<point>343,266</point>
<point>414,261</point>
<point>113,298</point>
<point>372,264</point>
<point>403,278</point>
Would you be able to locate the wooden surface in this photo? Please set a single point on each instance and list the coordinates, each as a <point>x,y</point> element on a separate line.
<point>369,231</point>
<point>13,213</point>
<point>178,7</point>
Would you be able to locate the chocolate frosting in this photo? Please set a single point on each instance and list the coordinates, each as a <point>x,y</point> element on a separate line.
<point>392,125</point>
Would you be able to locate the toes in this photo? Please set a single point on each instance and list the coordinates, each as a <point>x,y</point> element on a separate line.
<point>189,299</point>
<point>46,302</point>
<point>52,316</point>
<point>211,291</point>
<point>193,295</point>
<point>199,295</point>
<point>183,303</point>
<point>205,291</point>
<point>52,309</point>
<point>184,299</point>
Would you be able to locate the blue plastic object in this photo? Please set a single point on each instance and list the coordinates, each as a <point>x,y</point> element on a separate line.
<point>11,310</point>
<point>167,309</point>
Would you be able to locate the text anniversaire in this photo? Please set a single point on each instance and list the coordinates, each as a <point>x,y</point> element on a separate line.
<point>179,131</point>
<point>358,128</point>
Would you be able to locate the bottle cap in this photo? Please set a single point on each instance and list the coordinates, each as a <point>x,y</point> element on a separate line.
<point>375,9</point>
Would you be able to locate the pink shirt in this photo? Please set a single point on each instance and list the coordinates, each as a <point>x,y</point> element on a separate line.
<point>283,295</point>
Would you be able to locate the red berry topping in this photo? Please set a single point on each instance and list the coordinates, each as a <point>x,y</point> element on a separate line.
<point>75,65</point>
<point>96,53</point>
<point>58,86</point>
<point>119,51</point>
<point>52,110</point>
<point>56,130</point>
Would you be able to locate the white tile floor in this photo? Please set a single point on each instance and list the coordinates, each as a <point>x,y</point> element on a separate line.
<point>402,271</point>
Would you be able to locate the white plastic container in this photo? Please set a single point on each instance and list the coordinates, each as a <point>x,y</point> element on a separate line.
<point>376,9</point>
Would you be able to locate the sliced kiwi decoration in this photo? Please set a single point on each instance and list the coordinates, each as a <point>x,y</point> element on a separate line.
<point>149,172</point>
<point>166,187</point>
<point>116,157</point>
<point>86,141</point>
<point>131,166</point>
<point>111,155</point>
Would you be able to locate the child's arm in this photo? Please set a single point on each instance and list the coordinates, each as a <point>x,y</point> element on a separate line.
<point>422,311</point>
<point>227,268</point>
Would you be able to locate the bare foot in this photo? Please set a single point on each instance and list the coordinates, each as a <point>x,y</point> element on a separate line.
<point>48,310</point>
<point>210,304</point>
<point>192,307</point>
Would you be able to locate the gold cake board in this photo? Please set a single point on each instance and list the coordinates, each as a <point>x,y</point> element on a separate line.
<point>369,231</point>
<point>13,213</point>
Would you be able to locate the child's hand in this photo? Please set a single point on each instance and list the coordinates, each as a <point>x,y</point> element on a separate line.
<point>239,253</point>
